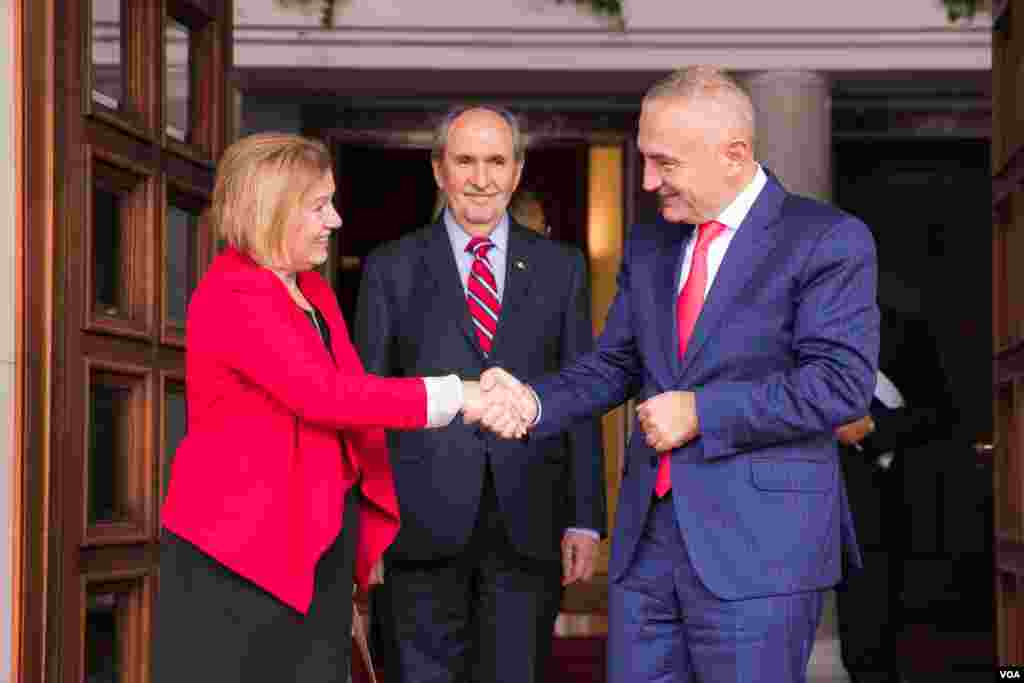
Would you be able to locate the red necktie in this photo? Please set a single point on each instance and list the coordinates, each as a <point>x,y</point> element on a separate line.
<point>688,305</point>
<point>482,293</point>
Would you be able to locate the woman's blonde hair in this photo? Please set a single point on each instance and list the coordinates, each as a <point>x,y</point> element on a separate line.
<point>261,179</point>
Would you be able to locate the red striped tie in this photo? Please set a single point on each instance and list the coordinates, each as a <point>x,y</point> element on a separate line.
<point>482,293</point>
<point>688,305</point>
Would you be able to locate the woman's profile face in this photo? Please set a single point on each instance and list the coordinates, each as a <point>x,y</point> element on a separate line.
<point>307,236</point>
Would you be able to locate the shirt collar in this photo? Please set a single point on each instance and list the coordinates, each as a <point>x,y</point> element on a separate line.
<point>734,214</point>
<point>460,238</point>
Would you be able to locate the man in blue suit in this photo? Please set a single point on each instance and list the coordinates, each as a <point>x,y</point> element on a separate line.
<point>491,529</point>
<point>745,324</point>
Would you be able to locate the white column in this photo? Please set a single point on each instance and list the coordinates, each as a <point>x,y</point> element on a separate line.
<point>794,128</point>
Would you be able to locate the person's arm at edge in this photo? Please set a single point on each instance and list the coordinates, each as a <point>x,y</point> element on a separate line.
<point>586,461</point>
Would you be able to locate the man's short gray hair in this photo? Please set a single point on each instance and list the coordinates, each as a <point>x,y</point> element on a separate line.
<point>708,84</point>
<point>445,124</point>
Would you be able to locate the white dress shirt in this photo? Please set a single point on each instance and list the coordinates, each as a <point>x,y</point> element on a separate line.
<point>497,256</point>
<point>731,218</point>
<point>891,398</point>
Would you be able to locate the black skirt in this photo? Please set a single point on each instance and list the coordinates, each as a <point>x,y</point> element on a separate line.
<point>214,625</point>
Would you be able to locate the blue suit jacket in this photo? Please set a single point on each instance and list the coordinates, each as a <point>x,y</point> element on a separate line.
<point>784,351</point>
<point>412,320</point>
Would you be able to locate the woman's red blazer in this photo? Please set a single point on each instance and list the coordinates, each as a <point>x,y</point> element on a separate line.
<point>277,433</point>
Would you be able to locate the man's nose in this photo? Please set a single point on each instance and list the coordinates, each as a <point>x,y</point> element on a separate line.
<point>333,219</point>
<point>652,179</point>
<point>480,177</point>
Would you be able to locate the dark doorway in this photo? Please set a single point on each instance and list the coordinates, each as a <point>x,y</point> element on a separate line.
<point>383,192</point>
<point>928,203</point>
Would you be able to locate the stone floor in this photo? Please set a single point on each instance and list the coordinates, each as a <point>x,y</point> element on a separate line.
<point>825,665</point>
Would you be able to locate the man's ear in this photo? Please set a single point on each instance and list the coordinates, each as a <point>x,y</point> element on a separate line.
<point>738,151</point>
<point>436,165</point>
<point>519,175</point>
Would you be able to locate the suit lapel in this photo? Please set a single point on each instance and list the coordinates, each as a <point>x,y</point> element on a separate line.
<point>519,276</point>
<point>440,264</point>
<point>668,262</point>
<point>750,247</point>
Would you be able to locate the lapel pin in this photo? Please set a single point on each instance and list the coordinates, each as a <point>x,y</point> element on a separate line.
<point>520,265</point>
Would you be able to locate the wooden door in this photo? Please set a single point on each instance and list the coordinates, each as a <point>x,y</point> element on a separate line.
<point>126,108</point>
<point>1007,449</point>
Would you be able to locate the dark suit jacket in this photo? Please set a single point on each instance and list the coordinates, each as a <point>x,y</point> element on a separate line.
<point>784,351</point>
<point>412,320</point>
<point>909,357</point>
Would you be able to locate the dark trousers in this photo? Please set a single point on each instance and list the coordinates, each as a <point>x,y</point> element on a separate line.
<point>665,626</point>
<point>214,625</point>
<point>867,600</point>
<point>484,616</point>
<point>869,619</point>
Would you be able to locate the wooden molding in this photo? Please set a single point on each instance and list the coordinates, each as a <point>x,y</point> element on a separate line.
<point>18,453</point>
<point>34,542</point>
<point>1009,179</point>
<point>1009,364</point>
<point>135,441</point>
<point>1010,555</point>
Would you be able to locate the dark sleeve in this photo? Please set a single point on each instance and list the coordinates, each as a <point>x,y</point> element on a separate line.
<point>598,380</point>
<point>586,455</point>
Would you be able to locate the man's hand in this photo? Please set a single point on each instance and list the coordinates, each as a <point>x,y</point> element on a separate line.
<point>579,557</point>
<point>491,404</point>
<point>852,433</point>
<point>499,402</point>
<point>520,396</point>
<point>669,420</point>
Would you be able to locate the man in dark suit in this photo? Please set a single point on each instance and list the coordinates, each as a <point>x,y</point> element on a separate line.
<point>491,529</point>
<point>745,323</point>
<point>911,407</point>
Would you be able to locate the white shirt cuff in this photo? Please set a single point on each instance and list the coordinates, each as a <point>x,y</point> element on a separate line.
<point>444,400</point>
<point>587,532</point>
<point>536,402</point>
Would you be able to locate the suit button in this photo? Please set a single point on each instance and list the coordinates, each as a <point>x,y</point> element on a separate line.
<point>654,461</point>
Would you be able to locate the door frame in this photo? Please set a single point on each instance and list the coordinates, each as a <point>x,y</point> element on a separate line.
<point>34,541</point>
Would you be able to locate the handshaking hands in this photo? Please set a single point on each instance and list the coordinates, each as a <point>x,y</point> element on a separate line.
<point>507,407</point>
<point>499,402</point>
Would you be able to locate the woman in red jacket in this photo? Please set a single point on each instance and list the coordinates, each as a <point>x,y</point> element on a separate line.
<point>282,482</point>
